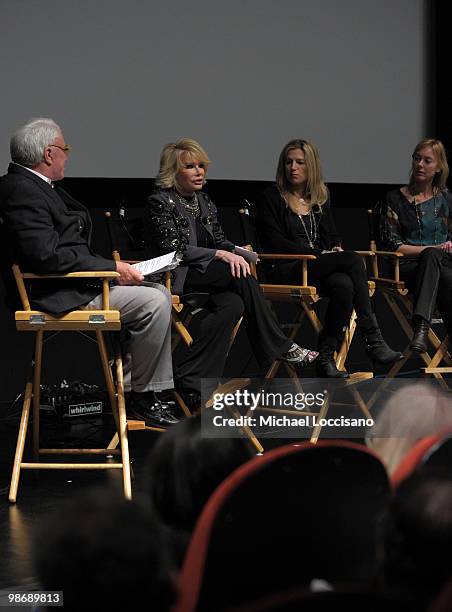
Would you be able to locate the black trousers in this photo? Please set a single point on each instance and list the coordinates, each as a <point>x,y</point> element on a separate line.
<point>429,278</point>
<point>339,276</point>
<point>230,298</point>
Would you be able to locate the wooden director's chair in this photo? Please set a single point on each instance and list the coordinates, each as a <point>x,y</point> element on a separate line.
<point>184,308</point>
<point>305,297</point>
<point>82,320</point>
<point>396,294</point>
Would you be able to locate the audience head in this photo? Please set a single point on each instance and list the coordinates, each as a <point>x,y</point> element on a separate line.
<point>40,145</point>
<point>185,467</point>
<point>303,155</point>
<point>104,551</point>
<point>432,154</point>
<point>419,535</point>
<point>415,411</point>
<point>175,156</point>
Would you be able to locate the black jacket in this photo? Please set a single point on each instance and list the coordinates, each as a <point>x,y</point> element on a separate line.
<point>47,231</point>
<point>275,223</point>
<point>168,227</point>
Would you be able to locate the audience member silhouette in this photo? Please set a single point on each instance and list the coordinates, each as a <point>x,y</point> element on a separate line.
<point>419,537</point>
<point>104,552</point>
<point>185,467</point>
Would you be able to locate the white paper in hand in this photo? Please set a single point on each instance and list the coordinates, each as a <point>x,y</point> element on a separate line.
<point>158,264</point>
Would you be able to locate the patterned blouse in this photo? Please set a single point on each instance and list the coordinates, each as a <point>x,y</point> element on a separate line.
<point>427,223</point>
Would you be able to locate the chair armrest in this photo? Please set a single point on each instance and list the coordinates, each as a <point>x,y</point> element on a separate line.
<point>283,256</point>
<point>365,253</point>
<point>303,258</point>
<point>389,253</point>
<point>85,274</point>
<point>104,275</point>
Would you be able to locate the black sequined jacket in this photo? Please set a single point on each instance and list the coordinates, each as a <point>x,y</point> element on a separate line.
<point>169,227</point>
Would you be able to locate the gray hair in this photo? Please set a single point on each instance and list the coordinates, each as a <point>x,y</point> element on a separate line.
<point>29,141</point>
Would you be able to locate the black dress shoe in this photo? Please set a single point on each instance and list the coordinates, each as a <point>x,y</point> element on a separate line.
<point>299,357</point>
<point>419,342</point>
<point>148,407</point>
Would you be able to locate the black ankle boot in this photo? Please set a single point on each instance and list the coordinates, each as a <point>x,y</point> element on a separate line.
<point>419,342</point>
<point>376,348</point>
<point>325,365</point>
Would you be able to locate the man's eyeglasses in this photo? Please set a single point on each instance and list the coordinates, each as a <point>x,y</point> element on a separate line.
<point>67,149</point>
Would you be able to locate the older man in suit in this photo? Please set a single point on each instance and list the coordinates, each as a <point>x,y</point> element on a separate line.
<point>48,231</point>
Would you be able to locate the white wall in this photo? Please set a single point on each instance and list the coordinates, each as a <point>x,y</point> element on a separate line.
<point>242,77</point>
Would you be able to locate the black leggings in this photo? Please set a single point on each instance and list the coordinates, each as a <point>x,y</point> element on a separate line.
<point>429,278</point>
<point>339,276</point>
<point>230,298</point>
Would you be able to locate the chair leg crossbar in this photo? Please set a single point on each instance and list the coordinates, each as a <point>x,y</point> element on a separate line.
<point>32,396</point>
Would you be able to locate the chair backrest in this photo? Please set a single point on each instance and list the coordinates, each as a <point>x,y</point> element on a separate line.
<point>248,220</point>
<point>374,218</point>
<point>125,231</point>
<point>12,299</point>
<point>320,505</point>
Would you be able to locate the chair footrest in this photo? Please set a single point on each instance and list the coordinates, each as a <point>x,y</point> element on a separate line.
<point>133,425</point>
<point>357,377</point>
<point>71,466</point>
<point>34,320</point>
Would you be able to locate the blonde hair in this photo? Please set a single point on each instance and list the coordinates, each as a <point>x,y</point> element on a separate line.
<point>440,178</point>
<point>173,157</point>
<point>316,189</point>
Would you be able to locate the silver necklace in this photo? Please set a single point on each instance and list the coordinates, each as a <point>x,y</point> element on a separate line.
<point>312,233</point>
<point>191,206</point>
<point>418,217</point>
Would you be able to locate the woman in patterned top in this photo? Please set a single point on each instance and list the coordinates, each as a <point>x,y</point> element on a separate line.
<point>417,222</point>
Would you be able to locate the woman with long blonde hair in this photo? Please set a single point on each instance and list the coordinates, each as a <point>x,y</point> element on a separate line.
<point>294,216</point>
<point>417,222</point>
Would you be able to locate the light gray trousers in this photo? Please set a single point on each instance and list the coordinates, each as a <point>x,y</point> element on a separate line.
<point>145,336</point>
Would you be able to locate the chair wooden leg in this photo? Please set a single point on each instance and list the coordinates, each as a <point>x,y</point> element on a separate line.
<point>248,433</point>
<point>181,328</point>
<point>37,392</point>
<point>21,440</point>
<point>321,415</point>
<point>107,374</point>
<point>122,430</point>
<point>346,343</point>
<point>234,333</point>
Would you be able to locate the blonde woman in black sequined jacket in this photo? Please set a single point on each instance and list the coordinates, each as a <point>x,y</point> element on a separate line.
<point>180,217</point>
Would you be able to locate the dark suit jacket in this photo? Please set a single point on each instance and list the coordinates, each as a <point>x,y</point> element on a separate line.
<point>168,227</point>
<point>276,225</point>
<point>47,231</point>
